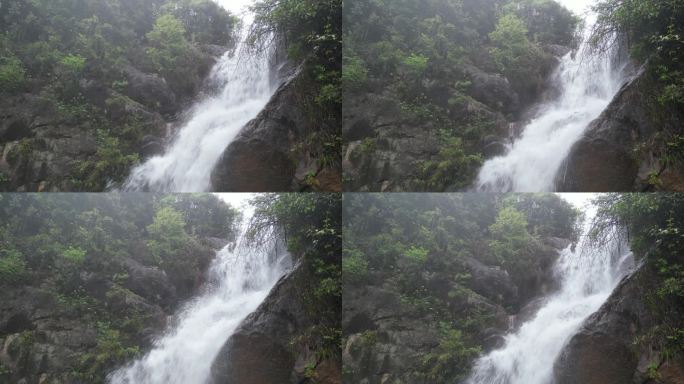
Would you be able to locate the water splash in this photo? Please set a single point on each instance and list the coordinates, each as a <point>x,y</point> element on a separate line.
<point>240,278</point>
<point>246,87</point>
<point>587,84</point>
<point>587,277</point>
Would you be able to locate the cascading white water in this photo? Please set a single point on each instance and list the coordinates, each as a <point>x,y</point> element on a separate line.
<point>240,278</point>
<point>246,87</point>
<point>587,277</point>
<point>586,84</point>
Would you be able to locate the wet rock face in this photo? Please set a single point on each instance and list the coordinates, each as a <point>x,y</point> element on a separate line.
<point>621,150</point>
<point>264,156</point>
<point>261,350</point>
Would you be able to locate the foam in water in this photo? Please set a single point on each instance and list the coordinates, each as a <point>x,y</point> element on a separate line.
<point>587,277</point>
<point>187,163</point>
<point>587,84</point>
<point>240,278</point>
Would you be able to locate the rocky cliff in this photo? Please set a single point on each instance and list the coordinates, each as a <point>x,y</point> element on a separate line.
<point>87,281</point>
<point>630,147</point>
<point>49,337</point>
<point>95,87</point>
<point>389,340</point>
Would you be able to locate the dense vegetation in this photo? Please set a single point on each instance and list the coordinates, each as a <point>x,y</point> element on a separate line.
<point>312,225</point>
<point>431,251</point>
<point>310,32</point>
<point>654,226</point>
<point>422,56</point>
<point>103,269</point>
<point>79,63</point>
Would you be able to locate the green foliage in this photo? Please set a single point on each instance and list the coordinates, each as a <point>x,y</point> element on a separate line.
<point>74,64</point>
<point>416,255</point>
<point>415,65</point>
<point>354,73</point>
<point>354,266</point>
<point>12,74</point>
<point>109,352</point>
<point>205,21</point>
<point>547,21</point>
<point>654,30</point>
<point>167,234</point>
<point>454,168</point>
<point>169,45</point>
<point>510,41</point>
<point>510,236</point>
<point>111,162</point>
<point>74,254</point>
<point>12,267</point>
<point>452,358</point>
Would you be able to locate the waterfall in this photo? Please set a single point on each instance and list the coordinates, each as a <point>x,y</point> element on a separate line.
<point>245,86</point>
<point>240,278</point>
<point>587,277</point>
<point>587,84</point>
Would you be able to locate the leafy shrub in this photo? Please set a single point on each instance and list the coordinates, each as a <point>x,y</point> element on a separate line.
<point>452,359</point>
<point>167,237</point>
<point>510,41</point>
<point>416,255</point>
<point>111,163</point>
<point>110,351</point>
<point>12,74</point>
<point>354,266</point>
<point>74,254</point>
<point>510,237</point>
<point>354,73</point>
<point>453,169</point>
<point>74,64</point>
<point>415,65</point>
<point>168,43</point>
<point>12,266</point>
<point>654,30</point>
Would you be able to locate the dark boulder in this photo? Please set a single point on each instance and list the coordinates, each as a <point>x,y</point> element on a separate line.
<point>493,283</point>
<point>493,90</point>
<point>149,89</point>
<point>149,282</point>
